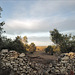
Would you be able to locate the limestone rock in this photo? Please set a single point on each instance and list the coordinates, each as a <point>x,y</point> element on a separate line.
<point>4,51</point>
<point>22,55</point>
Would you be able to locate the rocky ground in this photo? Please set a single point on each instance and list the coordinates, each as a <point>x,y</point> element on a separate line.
<point>14,63</point>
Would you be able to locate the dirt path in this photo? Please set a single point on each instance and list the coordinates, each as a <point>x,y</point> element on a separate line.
<point>42,57</point>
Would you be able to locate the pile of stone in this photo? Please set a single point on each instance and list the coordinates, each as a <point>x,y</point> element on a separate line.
<point>66,64</point>
<point>20,64</point>
<point>15,61</point>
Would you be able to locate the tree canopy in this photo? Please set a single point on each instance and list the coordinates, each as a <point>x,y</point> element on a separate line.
<point>32,48</point>
<point>66,42</point>
<point>1,31</point>
<point>49,50</point>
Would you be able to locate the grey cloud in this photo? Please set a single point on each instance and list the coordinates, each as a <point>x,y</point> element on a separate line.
<point>41,41</point>
<point>48,8</point>
<point>40,25</point>
<point>52,14</point>
<point>67,25</point>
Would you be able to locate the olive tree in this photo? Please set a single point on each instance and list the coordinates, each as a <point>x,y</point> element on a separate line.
<point>65,42</point>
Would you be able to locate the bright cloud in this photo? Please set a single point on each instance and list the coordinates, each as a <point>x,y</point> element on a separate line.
<point>42,43</point>
<point>38,25</point>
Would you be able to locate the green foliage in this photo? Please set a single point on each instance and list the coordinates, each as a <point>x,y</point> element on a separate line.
<point>6,43</point>
<point>0,11</point>
<point>32,48</point>
<point>26,46</point>
<point>1,31</point>
<point>49,50</point>
<point>65,42</point>
<point>18,46</point>
<point>1,24</point>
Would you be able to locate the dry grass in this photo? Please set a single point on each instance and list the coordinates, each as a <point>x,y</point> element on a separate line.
<point>40,48</point>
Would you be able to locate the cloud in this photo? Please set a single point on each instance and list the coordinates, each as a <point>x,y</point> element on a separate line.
<point>40,41</point>
<point>40,16</point>
<point>49,8</point>
<point>21,26</point>
<point>68,32</point>
<point>17,26</point>
<point>36,18</point>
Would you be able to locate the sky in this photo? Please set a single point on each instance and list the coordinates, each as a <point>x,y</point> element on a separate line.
<point>35,18</point>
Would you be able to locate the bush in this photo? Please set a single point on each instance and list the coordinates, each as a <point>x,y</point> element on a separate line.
<point>16,45</point>
<point>32,48</point>
<point>49,50</point>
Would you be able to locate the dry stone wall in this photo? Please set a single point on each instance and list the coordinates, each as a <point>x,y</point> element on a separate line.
<point>19,64</point>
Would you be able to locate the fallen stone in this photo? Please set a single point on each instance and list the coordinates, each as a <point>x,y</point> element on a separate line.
<point>22,55</point>
<point>4,51</point>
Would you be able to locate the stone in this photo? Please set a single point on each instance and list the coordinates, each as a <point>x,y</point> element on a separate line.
<point>57,71</point>
<point>5,60</point>
<point>20,60</point>
<point>63,70</point>
<point>8,64</point>
<point>12,62</point>
<point>71,54</point>
<point>22,55</point>
<point>65,58</point>
<point>4,51</point>
<point>50,65</point>
<point>21,63</point>
<point>24,67</point>
<point>12,57</point>
<point>35,72</point>
<point>20,68</point>
<point>14,54</point>
<point>15,69</point>
<point>59,65</point>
